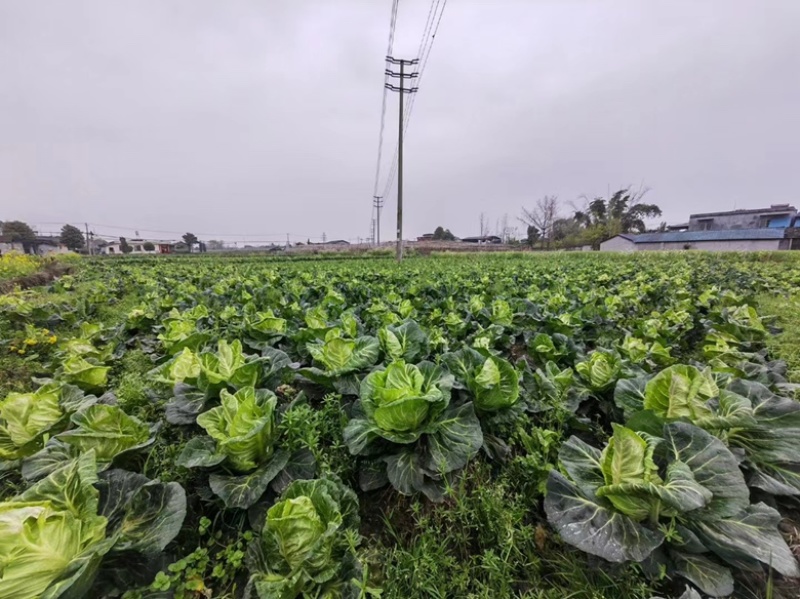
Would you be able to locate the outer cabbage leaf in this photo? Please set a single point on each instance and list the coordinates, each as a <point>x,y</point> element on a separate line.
<point>708,576</point>
<point>681,392</point>
<point>594,526</point>
<point>752,533</point>
<point>85,374</point>
<point>713,467</point>
<point>455,438</point>
<point>108,430</point>
<point>143,515</point>
<point>406,341</point>
<point>245,490</point>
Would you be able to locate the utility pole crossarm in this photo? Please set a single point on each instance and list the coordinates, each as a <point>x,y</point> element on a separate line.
<point>400,61</point>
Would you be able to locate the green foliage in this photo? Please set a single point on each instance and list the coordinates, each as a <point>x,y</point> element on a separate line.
<point>54,536</point>
<point>18,231</point>
<point>216,376</point>
<point>442,234</point>
<point>72,237</point>
<point>620,504</point>
<point>307,543</point>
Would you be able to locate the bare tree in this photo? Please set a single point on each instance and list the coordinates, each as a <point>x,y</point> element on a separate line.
<point>484,224</point>
<point>542,216</point>
<point>505,228</point>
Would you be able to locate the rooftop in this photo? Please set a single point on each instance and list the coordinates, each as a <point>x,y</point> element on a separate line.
<point>726,235</point>
<point>779,208</point>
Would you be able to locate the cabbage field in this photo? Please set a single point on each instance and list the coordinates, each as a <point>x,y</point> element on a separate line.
<point>480,427</point>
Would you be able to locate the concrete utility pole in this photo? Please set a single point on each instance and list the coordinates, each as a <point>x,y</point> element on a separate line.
<point>88,241</point>
<point>377,202</point>
<point>402,75</point>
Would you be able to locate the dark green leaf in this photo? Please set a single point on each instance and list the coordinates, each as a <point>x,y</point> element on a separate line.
<point>708,576</point>
<point>243,491</point>
<point>753,533</point>
<point>593,526</point>
<point>143,515</point>
<point>713,466</point>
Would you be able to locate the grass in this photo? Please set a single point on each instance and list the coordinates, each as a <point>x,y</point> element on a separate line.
<point>786,344</point>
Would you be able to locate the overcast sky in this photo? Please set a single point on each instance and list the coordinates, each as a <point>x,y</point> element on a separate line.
<point>250,119</point>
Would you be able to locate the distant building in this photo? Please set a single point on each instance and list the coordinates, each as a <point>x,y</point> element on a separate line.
<point>160,246</point>
<point>777,216</point>
<point>482,239</point>
<point>426,237</point>
<point>332,242</point>
<point>732,240</point>
<point>41,246</point>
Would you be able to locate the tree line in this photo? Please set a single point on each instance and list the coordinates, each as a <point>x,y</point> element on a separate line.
<point>17,231</point>
<point>594,222</point>
<point>553,224</point>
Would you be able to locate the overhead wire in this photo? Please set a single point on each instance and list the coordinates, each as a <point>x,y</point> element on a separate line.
<point>423,54</point>
<point>389,47</point>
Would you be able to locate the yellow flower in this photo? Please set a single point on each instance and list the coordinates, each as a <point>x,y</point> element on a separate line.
<point>30,341</point>
<point>52,339</point>
<point>13,348</point>
<point>21,352</point>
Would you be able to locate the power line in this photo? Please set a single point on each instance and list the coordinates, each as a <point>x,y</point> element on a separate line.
<point>426,45</point>
<point>389,47</point>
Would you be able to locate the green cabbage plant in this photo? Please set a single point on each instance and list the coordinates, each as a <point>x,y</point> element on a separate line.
<point>27,418</point>
<point>180,329</point>
<point>493,382</point>
<point>746,415</point>
<point>405,341</point>
<point>404,425</point>
<point>85,373</point>
<point>676,502</point>
<point>241,439</point>
<point>600,371</point>
<point>337,360</point>
<point>306,547</point>
<point>104,429</point>
<point>552,388</point>
<point>263,329</point>
<point>54,536</point>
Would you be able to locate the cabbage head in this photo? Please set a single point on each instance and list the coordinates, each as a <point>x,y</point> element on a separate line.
<point>25,418</point>
<point>601,371</point>
<point>55,534</point>
<point>242,427</point>
<point>492,381</point>
<point>402,398</point>
<point>304,549</point>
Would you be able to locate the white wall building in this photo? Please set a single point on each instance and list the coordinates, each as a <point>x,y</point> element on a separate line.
<point>160,246</point>
<point>733,240</point>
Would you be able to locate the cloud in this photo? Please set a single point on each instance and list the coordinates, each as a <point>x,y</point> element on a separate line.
<point>255,119</point>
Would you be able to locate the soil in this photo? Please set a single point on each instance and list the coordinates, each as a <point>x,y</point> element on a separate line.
<point>43,277</point>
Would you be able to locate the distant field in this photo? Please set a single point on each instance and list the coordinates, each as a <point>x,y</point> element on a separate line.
<point>532,425</point>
